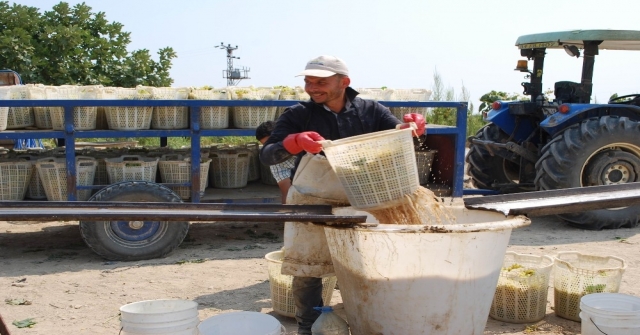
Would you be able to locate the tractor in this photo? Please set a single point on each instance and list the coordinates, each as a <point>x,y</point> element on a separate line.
<point>564,141</point>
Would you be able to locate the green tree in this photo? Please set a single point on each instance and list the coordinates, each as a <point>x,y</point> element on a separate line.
<point>493,96</point>
<point>72,45</point>
<point>445,115</point>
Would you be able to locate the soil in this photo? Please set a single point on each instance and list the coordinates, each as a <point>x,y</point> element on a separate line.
<point>49,275</point>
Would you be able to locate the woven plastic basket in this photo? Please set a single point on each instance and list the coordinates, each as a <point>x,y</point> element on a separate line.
<point>131,168</point>
<point>424,160</point>
<point>254,161</point>
<point>14,178</point>
<point>173,117</point>
<point>417,94</point>
<point>229,169</point>
<point>42,115</point>
<point>286,94</point>
<point>129,117</point>
<point>212,117</point>
<point>376,170</point>
<point>576,275</point>
<point>19,117</point>
<point>175,169</point>
<point>378,94</point>
<point>521,294</point>
<point>280,286</point>
<point>84,118</point>
<point>53,174</point>
<point>35,190</point>
<point>246,117</point>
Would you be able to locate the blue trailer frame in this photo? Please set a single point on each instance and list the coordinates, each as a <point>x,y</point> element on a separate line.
<point>195,133</point>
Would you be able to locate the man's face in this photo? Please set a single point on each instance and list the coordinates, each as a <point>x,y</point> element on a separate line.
<point>324,90</point>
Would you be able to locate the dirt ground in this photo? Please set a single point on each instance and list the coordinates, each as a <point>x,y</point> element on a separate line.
<point>222,267</point>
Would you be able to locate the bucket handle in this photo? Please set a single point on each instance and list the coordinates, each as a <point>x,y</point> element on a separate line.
<point>600,330</point>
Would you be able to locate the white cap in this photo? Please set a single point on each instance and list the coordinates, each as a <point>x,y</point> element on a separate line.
<point>325,66</point>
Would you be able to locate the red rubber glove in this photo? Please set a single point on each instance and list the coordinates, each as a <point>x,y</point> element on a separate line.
<point>418,119</point>
<point>306,141</point>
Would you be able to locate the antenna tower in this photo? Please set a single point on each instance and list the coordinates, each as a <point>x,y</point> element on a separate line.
<point>233,75</point>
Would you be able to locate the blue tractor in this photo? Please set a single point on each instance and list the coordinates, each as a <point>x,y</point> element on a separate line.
<point>567,141</point>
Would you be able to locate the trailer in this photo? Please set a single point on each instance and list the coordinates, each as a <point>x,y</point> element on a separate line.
<point>157,227</point>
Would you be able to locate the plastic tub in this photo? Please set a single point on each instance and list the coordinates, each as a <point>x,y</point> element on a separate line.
<point>159,311</point>
<point>161,327</point>
<point>416,279</point>
<point>610,313</point>
<point>241,323</point>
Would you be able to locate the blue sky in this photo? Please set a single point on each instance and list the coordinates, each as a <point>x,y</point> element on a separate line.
<point>393,43</point>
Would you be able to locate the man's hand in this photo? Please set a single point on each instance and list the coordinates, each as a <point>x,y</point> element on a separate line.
<point>306,141</point>
<point>418,119</point>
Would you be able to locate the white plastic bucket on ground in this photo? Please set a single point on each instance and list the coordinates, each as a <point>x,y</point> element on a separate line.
<point>158,315</point>
<point>417,279</point>
<point>241,323</point>
<point>610,313</point>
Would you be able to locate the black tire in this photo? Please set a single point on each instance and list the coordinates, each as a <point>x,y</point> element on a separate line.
<point>123,240</point>
<point>597,151</point>
<point>487,171</point>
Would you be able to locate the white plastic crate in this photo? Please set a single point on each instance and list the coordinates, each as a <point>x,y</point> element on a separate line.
<point>254,161</point>
<point>212,117</point>
<point>229,168</point>
<point>173,117</point>
<point>128,117</point>
<point>84,118</point>
<point>416,94</point>
<point>378,94</point>
<point>53,174</point>
<point>35,190</point>
<point>576,275</point>
<point>42,115</point>
<point>281,286</point>
<point>175,169</point>
<point>521,294</point>
<point>19,117</point>
<point>4,111</point>
<point>131,168</point>
<point>246,117</point>
<point>286,94</point>
<point>377,169</point>
<point>15,175</point>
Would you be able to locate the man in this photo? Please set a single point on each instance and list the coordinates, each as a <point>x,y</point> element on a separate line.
<point>281,172</point>
<point>334,112</point>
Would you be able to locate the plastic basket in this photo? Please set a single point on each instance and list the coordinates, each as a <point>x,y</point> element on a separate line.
<point>131,168</point>
<point>173,117</point>
<point>246,117</point>
<point>424,160</point>
<point>378,94</point>
<point>280,286</point>
<point>576,275</point>
<point>129,117</point>
<point>84,118</point>
<point>14,179</point>
<point>53,174</point>
<point>229,169</point>
<point>376,170</point>
<point>417,94</point>
<point>521,294</point>
<point>41,115</point>
<point>19,117</point>
<point>286,94</point>
<point>212,117</point>
<point>254,161</point>
<point>35,190</point>
<point>175,169</point>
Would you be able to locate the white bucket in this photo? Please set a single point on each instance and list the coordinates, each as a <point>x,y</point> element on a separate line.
<point>178,317</point>
<point>416,279</point>
<point>241,323</point>
<point>610,314</point>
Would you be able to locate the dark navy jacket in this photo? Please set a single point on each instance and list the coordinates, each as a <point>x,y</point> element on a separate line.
<point>363,116</point>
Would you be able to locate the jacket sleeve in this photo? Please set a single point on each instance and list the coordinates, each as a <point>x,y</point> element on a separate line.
<point>387,119</point>
<point>273,152</point>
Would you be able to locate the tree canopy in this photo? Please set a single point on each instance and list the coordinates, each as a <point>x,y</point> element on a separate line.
<point>72,45</point>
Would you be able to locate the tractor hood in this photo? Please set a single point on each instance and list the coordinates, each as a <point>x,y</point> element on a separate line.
<point>611,39</point>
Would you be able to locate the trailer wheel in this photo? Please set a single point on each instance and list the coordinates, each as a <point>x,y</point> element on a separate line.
<point>598,151</point>
<point>491,172</point>
<point>134,240</point>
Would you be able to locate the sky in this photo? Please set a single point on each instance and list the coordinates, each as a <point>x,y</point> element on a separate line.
<point>399,44</point>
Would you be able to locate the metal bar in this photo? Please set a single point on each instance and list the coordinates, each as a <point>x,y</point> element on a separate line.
<point>195,154</point>
<point>141,211</point>
<point>70,148</point>
<point>568,200</point>
<point>459,140</point>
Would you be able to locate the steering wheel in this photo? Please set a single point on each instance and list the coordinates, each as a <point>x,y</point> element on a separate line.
<point>634,98</point>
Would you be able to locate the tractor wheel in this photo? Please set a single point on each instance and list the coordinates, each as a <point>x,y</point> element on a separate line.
<point>487,171</point>
<point>134,240</point>
<point>598,151</point>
